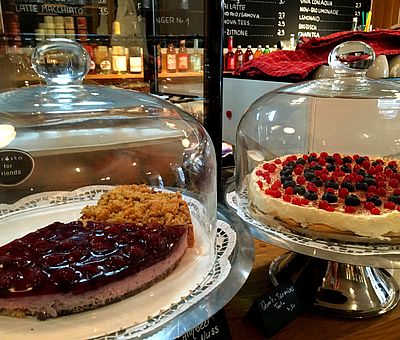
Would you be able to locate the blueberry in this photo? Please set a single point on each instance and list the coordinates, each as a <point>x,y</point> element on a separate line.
<point>286,172</point>
<point>391,167</point>
<point>330,167</point>
<point>316,167</point>
<point>375,163</point>
<point>329,197</point>
<point>317,181</point>
<point>309,175</point>
<point>299,189</point>
<point>289,183</point>
<point>394,198</point>
<point>347,160</point>
<point>352,200</point>
<point>376,200</point>
<point>331,184</point>
<point>312,159</point>
<point>310,195</point>
<point>346,169</point>
<point>362,186</point>
<point>348,185</point>
<point>286,178</point>
<point>330,160</point>
<point>370,181</point>
<point>301,161</point>
<point>362,172</point>
<point>360,160</point>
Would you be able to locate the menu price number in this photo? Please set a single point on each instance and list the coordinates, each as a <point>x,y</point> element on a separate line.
<point>281,16</point>
<point>275,309</point>
<point>103,11</point>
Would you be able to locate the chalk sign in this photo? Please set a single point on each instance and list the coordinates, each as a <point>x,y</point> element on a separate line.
<point>261,22</point>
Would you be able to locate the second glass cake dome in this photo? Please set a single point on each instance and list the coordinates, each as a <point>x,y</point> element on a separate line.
<point>347,114</point>
<point>65,136</point>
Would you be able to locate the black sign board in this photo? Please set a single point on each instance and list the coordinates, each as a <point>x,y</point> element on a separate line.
<point>264,22</point>
<point>215,328</point>
<point>275,309</point>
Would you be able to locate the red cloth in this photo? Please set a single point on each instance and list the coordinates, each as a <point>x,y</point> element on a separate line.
<point>298,64</point>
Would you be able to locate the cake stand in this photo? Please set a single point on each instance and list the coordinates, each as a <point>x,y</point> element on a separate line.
<point>332,276</point>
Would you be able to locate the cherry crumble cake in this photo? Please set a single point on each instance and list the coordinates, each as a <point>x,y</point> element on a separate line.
<point>349,193</point>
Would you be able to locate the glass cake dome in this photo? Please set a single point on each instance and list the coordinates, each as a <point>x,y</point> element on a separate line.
<point>347,114</point>
<point>67,137</point>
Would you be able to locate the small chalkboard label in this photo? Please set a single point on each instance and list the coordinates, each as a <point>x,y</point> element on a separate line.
<point>275,309</point>
<point>215,328</point>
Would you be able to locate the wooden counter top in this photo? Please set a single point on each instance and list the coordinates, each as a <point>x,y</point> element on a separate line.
<point>309,325</point>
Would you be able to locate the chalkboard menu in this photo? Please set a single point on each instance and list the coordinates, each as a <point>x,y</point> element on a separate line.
<point>261,22</point>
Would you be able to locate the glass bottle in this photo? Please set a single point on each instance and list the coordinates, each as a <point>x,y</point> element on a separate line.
<point>183,57</point>
<point>135,60</point>
<point>230,56</point>
<point>195,58</point>
<point>258,52</point>
<point>238,57</point>
<point>248,55</point>
<point>171,58</point>
<point>292,42</point>
<point>118,58</point>
<point>266,50</point>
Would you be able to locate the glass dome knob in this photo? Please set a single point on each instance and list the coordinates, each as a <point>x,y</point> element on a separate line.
<point>61,61</point>
<point>355,56</point>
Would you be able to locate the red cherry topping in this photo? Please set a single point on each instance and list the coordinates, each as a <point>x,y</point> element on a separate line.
<point>330,208</point>
<point>260,185</point>
<point>381,192</point>
<point>324,177</point>
<point>305,157</point>
<point>394,183</point>
<point>277,161</point>
<point>271,167</point>
<point>259,173</point>
<point>379,168</point>
<point>322,161</point>
<point>371,170</point>
<point>375,211</point>
<point>298,170</point>
<point>396,192</point>
<point>366,165</point>
<point>304,201</point>
<point>313,154</point>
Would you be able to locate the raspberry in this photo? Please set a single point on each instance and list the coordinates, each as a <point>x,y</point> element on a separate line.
<point>296,200</point>
<point>313,154</point>
<point>276,184</point>
<point>289,191</point>
<point>305,157</point>
<point>324,177</point>
<point>330,208</point>
<point>394,183</point>
<point>312,187</point>
<point>366,165</point>
<point>260,185</point>
<point>317,173</point>
<point>393,163</point>
<point>371,170</point>
<point>323,154</point>
<point>305,201</point>
<point>293,158</point>
<point>379,168</point>
<point>259,173</point>
<point>322,161</point>
<point>381,184</point>
<point>396,192</point>
<point>265,166</point>
<point>375,211</point>
<point>389,205</point>
<point>277,161</point>
<point>276,194</point>
<point>301,180</point>
<point>323,204</point>
<point>267,179</point>
<point>343,192</point>
<point>336,156</point>
<point>331,190</point>
<point>355,156</point>
<point>381,192</point>
<point>269,191</point>
<point>287,198</point>
<point>369,205</point>
<point>388,172</point>
<point>372,189</point>
<point>272,167</point>
<point>349,209</point>
<point>298,170</point>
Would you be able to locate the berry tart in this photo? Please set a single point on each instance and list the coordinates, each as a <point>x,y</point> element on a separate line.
<point>130,240</point>
<point>330,193</point>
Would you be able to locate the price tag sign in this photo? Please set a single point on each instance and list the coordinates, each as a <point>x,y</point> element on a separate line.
<point>215,328</point>
<point>275,309</point>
